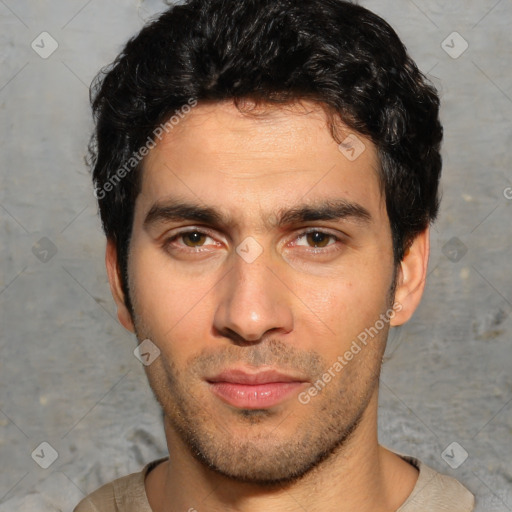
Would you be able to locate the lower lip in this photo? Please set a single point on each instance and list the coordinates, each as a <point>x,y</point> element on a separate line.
<point>257,396</point>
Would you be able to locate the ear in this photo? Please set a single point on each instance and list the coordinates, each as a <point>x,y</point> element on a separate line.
<point>411,278</point>
<point>114,278</point>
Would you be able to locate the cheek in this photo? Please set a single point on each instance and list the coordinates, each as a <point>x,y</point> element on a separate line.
<point>167,301</point>
<point>336,310</point>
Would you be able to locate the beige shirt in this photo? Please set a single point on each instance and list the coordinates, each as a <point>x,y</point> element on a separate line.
<point>433,492</point>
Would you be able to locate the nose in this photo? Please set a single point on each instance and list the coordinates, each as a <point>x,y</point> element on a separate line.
<point>253,302</point>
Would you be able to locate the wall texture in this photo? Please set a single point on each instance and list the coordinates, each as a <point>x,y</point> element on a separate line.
<point>68,376</point>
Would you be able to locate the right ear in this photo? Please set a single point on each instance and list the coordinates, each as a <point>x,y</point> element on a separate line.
<point>114,278</point>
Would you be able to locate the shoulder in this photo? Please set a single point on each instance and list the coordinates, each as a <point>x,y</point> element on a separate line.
<point>101,499</point>
<point>436,492</point>
<point>110,497</point>
<point>125,494</point>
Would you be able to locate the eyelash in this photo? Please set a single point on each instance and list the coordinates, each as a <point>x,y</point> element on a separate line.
<point>171,239</point>
<point>315,250</point>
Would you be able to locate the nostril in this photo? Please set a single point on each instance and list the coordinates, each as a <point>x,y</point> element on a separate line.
<point>246,339</point>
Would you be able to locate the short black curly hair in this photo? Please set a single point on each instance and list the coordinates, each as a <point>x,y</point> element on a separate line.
<point>335,53</point>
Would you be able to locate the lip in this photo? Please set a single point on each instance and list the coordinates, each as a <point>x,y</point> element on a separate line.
<point>238,376</point>
<point>259,390</point>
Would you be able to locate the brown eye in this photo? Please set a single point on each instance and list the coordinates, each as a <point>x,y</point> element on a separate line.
<point>194,239</point>
<point>318,239</point>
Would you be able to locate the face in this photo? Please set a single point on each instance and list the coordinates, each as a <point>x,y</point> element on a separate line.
<point>260,253</point>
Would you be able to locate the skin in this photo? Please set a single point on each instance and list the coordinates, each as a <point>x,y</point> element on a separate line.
<point>295,308</point>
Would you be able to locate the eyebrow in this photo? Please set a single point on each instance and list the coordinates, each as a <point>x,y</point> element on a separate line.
<point>340,209</point>
<point>337,210</point>
<point>175,211</point>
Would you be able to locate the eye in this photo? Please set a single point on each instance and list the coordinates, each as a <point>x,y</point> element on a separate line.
<point>193,238</point>
<point>316,239</point>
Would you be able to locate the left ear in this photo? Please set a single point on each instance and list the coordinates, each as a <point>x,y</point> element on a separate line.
<point>411,278</point>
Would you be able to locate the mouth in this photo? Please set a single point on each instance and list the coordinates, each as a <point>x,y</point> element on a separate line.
<point>260,390</point>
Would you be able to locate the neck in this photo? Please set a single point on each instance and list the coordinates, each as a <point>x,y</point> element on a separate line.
<point>361,475</point>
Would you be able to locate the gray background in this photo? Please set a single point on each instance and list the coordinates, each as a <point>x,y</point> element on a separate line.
<point>68,376</point>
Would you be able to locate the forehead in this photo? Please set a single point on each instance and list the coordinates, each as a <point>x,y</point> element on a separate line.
<point>272,156</point>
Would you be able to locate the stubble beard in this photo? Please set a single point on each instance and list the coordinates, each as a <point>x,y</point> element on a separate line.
<point>262,455</point>
<point>268,447</point>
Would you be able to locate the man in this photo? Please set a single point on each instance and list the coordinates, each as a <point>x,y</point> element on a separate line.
<point>266,172</point>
